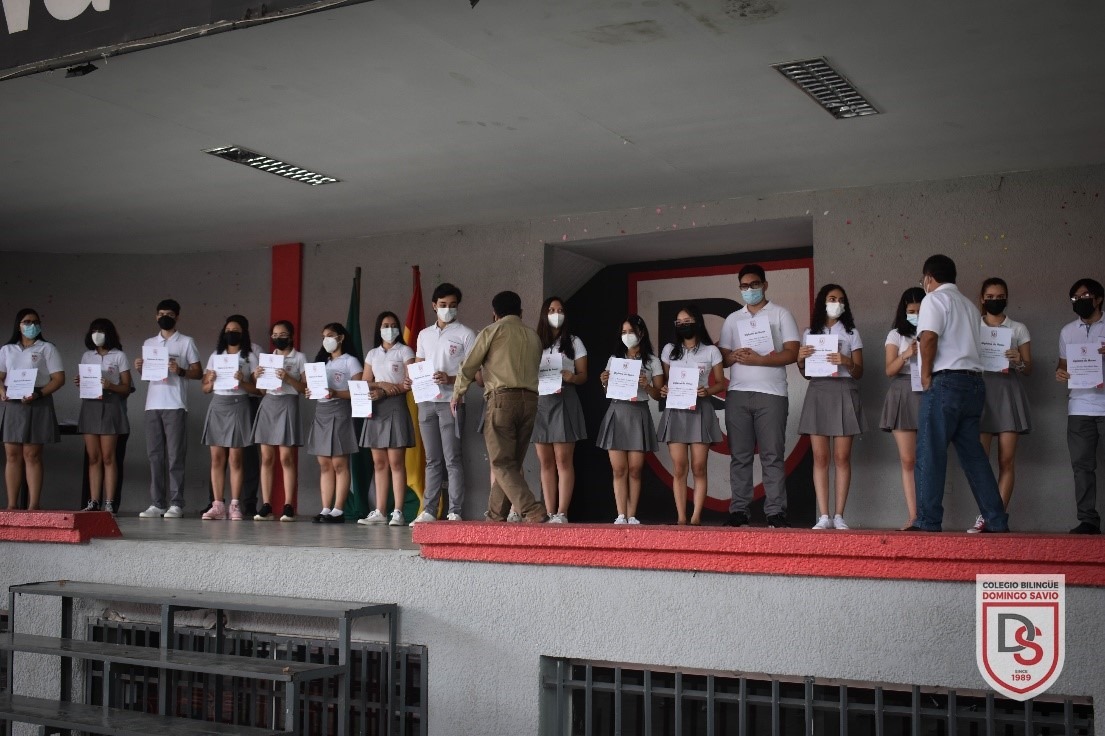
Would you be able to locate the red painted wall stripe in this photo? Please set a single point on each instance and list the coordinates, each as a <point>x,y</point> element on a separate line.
<point>882,555</point>
<point>285,302</point>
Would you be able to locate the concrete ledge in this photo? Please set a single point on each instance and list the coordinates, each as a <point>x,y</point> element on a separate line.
<point>887,555</point>
<point>56,526</point>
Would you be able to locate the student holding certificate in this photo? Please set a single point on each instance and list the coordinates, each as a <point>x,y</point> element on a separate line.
<point>277,428</point>
<point>332,438</point>
<point>559,424</point>
<point>899,409</point>
<point>691,430</point>
<point>1006,413</point>
<point>1081,351</point>
<point>228,427</point>
<point>102,420</point>
<point>31,370</point>
<point>832,414</point>
<point>389,431</point>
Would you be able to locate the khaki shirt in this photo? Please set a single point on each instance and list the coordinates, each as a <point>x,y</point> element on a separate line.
<point>509,353</point>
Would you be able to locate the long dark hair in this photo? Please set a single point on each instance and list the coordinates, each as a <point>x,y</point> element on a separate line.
<point>377,341</point>
<point>700,332</point>
<point>912,295</point>
<point>245,346</point>
<point>288,326</point>
<point>111,337</point>
<point>548,335</point>
<point>645,346</point>
<point>346,346</point>
<point>820,316</point>
<point>17,334</point>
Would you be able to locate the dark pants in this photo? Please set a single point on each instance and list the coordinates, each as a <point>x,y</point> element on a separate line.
<point>1084,433</point>
<point>508,425</point>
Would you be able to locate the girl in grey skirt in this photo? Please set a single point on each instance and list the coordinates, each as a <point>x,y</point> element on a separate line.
<point>627,432</point>
<point>103,420</point>
<point>691,431</point>
<point>1006,413</point>
<point>390,430</point>
<point>559,424</point>
<point>228,427</point>
<point>899,410</point>
<point>831,414</point>
<point>277,428</point>
<point>28,422</point>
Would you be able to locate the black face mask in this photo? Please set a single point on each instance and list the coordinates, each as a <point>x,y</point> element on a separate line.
<point>166,322</point>
<point>686,332</point>
<point>233,339</point>
<point>1083,308</point>
<point>995,306</point>
<point>282,343</point>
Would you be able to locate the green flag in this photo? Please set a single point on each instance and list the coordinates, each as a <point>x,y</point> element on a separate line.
<point>360,464</point>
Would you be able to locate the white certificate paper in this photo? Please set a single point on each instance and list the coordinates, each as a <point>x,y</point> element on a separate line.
<point>155,363</point>
<point>226,366</point>
<point>358,395</point>
<point>818,365</point>
<point>270,363</point>
<point>682,386</point>
<point>92,386</point>
<point>422,382</point>
<point>20,383</point>
<point>1084,365</point>
<point>625,377</point>
<point>755,333</point>
<point>993,342</point>
<point>915,374</point>
<point>550,379</point>
<point>316,380</point>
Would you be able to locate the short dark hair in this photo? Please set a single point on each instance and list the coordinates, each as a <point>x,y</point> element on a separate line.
<point>993,281</point>
<point>755,269</point>
<point>444,290</point>
<point>1094,287</point>
<point>507,303</point>
<point>169,305</point>
<point>111,336</point>
<point>941,268</point>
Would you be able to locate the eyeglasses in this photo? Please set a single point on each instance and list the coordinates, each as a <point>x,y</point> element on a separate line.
<point>680,323</point>
<point>993,297</point>
<point>752,285</point>
<point>1081,297</point>
<point>30,322</point>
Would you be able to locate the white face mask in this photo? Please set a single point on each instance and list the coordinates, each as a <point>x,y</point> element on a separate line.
<point>913,319</point>
<point>329,344</point>
<point>630,340</point>
<point>555,320</point>
<point>446,314</point>
<point>834,309</point>
<point>98,339</point>
<point>389,333</point>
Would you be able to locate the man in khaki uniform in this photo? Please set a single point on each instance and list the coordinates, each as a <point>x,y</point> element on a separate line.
<point>509,353</point>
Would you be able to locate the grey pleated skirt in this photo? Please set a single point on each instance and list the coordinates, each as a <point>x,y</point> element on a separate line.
<point>832,408</point>
<point>390,424</point>
<point>103,416</point>
<point>560,417</point>
<point>901,406</point>
<point>30,424</point>
<point>1006,407</point>
<point>277,422</point>
<point>228,422</point>
<point>332,430</point>
<point>627,426</point>
<point>688,426</point>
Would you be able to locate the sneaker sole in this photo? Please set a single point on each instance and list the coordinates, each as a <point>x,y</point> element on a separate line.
<point>287,518</point>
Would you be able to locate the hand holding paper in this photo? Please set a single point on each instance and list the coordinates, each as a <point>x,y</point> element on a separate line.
<point>91,381</point>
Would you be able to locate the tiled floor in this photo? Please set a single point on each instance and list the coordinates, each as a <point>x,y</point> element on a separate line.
<point>301,533</point>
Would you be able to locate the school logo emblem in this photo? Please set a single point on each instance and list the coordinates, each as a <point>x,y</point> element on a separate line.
<point>1020,632</point>
<point>339,377</point>
<point>452,349</point>
<point>993,334</point>
<point>1085,350</point>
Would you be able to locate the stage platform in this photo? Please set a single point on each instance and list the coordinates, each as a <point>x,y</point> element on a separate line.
<point>300,533</point>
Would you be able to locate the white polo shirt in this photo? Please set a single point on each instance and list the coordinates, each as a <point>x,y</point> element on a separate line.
<point>566,363</point>
<point>293,366</point>
<point>704,357</point>
<point>1086,402</point>
<point>41,356</point>
<point>172,392</point>
<point>445,349</point>
<point>389,366</point>
<point>112,363</point>
<point>339,371</point>
<point>651,368</point>
<point>848,342</point>
<point>954,319</point>
<point>757,378</point>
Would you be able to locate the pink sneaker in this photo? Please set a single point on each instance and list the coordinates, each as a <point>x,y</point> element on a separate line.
<point>235,511</point>
<point>216,512</point>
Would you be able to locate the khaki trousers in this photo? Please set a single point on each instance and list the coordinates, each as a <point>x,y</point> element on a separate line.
<point>508,424</point>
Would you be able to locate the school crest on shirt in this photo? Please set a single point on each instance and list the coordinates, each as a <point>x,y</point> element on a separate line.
<point>338,376</point>
<point>35,357</point>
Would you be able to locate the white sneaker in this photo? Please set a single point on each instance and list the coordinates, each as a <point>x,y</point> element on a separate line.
<point>558,518</point>
<point>373,518</point>
<point>454,517</point>
<point>980,524</point>
<point>513,516</point>
<point>153,512</point>
<point>174,512</point>
<point>838,522</point>
<point>397,518</point>
<point>424,516</point>
<point>632,520</point>
<point>824,522</point>
<point>621,519</point>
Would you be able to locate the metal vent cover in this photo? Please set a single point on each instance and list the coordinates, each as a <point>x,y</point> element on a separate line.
<point>828,87</point>
<point>261,162</point>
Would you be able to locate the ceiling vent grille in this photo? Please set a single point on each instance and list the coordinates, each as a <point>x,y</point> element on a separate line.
<point>261,162</point>
<point>827,87</point>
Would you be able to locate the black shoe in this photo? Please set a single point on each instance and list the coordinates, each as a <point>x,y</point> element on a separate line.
<point>988,530</point>
<point>264,513</point>
<point>289,513</point>
<point>1086,528</point>
<point>777,521</point>
<point>320,518</point>
<point>331,519</point>
<point>737,518</point>
<point>914,528</point>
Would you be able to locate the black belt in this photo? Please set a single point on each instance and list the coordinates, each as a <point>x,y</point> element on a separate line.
<point>958,371</point>
<point>512,390</point>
